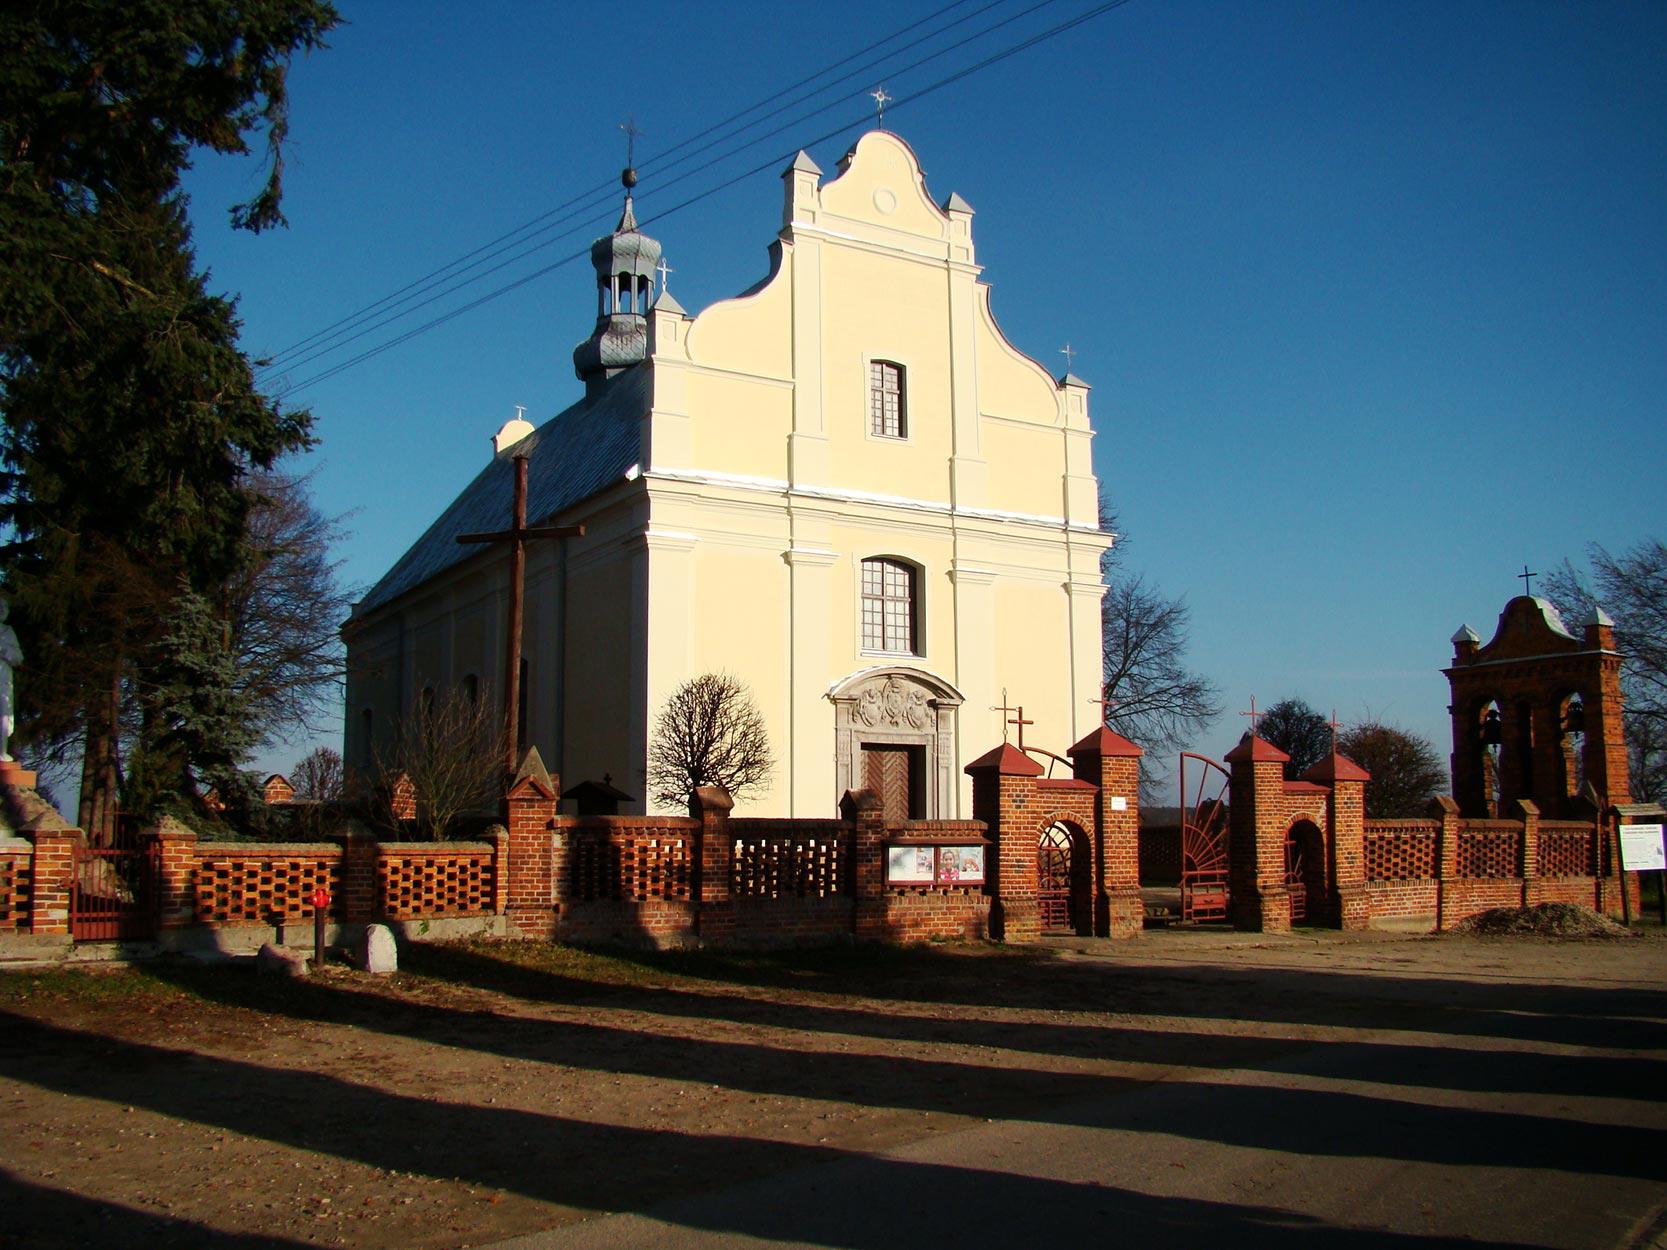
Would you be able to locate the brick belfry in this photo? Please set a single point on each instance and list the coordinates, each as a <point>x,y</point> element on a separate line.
<point>1521,703</point>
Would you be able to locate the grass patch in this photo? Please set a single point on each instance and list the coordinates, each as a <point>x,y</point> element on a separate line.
<point>88,984</point>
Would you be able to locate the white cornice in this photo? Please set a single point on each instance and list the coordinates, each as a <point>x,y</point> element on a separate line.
<point>777,486</point>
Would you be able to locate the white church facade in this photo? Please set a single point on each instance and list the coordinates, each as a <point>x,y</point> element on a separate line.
<point>844,487</point>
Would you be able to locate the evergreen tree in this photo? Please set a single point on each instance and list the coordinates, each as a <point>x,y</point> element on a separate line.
<point>130,414</point>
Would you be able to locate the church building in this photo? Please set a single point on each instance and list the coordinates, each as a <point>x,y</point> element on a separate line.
<point>843,487</point>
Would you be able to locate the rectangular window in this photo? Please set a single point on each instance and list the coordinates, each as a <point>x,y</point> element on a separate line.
<point>888,606</point>
<point>886,417</point>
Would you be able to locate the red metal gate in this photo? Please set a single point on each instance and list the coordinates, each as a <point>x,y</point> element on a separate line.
<point>114,894</point>
<point>1055,899</point>
<point>1296,883</point>
<point>1203,840</point>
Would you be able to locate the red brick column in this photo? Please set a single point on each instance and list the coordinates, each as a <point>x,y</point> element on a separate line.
<point>1346,904</point>
<point>1259,901</point>
<point>359,899</point>
<point>527,870</point>
<point>1112,763</point>
<point>714,864</point>
<point>862,808</point>
<point>1004,797</point>
<point>54,875</point>
<point>176,876</point>
<point>1528,867</point>
<point>1446,859</point>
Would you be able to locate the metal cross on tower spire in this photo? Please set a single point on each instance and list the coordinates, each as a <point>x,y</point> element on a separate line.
<point>629,126</point>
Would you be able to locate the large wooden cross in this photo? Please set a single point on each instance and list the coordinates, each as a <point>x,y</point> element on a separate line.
<point>517,536</point>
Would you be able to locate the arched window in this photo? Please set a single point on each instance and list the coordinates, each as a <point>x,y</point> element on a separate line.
<point>887,414</point>
<point>890,607</point>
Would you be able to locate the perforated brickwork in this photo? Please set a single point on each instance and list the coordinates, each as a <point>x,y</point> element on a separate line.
<point>1489,852</point>
<point>16,877</point>
<point>448,881</point>
<point>630,866</point>
<point>788,867</point>
<point>259,886</point>
<point>1400,854</point>
<point>1566,852</point>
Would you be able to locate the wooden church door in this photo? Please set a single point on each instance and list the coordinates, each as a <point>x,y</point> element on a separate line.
<point>897,775</point>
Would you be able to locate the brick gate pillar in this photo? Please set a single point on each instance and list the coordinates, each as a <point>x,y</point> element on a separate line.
<point>529,851</point>
<point>714,864</point>
<point>863,811</point>
<point>1112,763</point>
<point>1259,901</point>
<point>1004,797</point>
<point>1346,904</point>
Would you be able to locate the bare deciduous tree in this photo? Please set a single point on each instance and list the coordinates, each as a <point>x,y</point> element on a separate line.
<point>1406,771</point>
<point>1632,588</point>
<point>452,748</point>
<point>709,733</point>
<point>318,776</point>
<point>1154,699</point>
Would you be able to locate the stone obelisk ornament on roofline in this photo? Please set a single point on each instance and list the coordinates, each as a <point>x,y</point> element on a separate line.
<point>517,536</point>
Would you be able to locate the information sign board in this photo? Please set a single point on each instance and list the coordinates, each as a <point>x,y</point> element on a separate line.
<point>1641,848</point>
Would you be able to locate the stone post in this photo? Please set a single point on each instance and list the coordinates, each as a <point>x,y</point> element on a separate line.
<point>528,869</point>
<point>714,864</point>
<point>1112,763</point>
<point>1004,798</point>
<point>1259,901</point>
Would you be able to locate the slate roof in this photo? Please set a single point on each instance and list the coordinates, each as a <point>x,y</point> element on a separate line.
<point>574,454</point>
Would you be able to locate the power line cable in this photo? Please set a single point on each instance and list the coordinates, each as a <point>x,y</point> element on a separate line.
<point>519,233</point>
<point>775,160</point>
<point>362,329</point>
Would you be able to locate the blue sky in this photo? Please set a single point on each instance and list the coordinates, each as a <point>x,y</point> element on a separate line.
<point>1373,298</point>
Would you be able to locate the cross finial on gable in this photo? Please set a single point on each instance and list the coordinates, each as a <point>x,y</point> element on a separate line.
<point>881,99</point>
<point>663,269</point>
<point>1070,353</point>
<point>1527,581</point>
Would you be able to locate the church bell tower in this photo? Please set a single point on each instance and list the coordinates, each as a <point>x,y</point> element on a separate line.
<point>625,265</point>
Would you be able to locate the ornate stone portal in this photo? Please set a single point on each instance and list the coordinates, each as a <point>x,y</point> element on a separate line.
<point>894,706</point>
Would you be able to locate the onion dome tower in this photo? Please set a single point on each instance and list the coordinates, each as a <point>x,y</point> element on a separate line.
<point>625,266</point>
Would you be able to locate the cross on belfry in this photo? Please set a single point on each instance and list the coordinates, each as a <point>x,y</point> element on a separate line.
<point>664,270</point>
<point>1527,580</point>
<point>629,126</point>
<point>1070,353</point>
<point>881,99</point>
<point>517,536</point>
<point>1254,715</point>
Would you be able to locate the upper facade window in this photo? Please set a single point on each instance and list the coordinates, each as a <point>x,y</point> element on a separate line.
<point>887,416</point>
<point>888,606</point>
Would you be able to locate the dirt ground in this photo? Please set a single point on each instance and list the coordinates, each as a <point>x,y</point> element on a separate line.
<point>488,1089</point>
